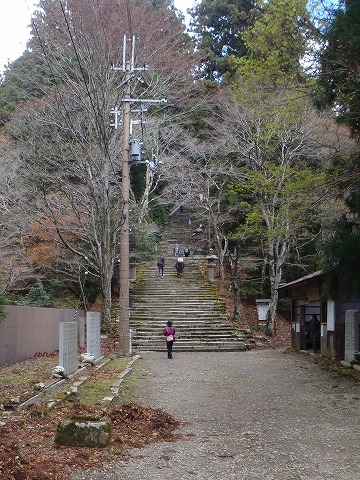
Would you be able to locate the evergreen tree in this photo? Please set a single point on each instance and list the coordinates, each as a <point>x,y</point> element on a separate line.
<point>218,25</point>
<point>338,88</point>
<point>341,258</point>
<point>277,43</point>
<point>338,83</point>
<point>38,297</point>
<point>340,252</point>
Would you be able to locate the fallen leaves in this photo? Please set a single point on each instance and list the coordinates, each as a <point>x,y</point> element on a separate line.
<point>28,451</point>
<point>27,447</point>
<point>249,318</point>
<point>136,426</point>
<point>20,379</point>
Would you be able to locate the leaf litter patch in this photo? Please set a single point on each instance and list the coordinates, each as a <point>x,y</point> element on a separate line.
<point>28,451</point>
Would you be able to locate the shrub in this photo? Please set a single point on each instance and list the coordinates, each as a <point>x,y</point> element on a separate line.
<point>38,297</point>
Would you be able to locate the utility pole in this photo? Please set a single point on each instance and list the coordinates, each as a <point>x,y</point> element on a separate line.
<point>124,301</point>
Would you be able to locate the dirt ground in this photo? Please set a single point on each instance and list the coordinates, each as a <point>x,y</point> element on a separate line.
<point>262,414</point>
<point>27,449</point>
<point>269,413</point>
<point>265,413</point>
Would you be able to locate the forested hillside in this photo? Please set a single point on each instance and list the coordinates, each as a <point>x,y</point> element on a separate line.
<point>259,133</point>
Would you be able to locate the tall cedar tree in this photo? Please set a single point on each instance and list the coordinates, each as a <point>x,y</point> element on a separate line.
<point>218,26</point>
<point>338,87</point>
<point>340,252</point>
<point>338,83</point>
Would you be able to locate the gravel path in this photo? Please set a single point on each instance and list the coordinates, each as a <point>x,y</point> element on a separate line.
<point>249,416</point>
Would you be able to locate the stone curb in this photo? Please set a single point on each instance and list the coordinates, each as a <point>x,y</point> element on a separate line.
<point>355,366</point>
<point>344,363</point>
<point>115,387</point>
<point>54,386</point>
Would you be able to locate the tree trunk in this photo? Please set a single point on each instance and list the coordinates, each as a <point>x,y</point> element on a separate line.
<point>221,250</point>
<point>234,260</point>
<point>237,301</point>
<point>270,317</point>
<point>144,202</point>
<point>271,314</point>
<point>106,311</point>
<point>278,254</point>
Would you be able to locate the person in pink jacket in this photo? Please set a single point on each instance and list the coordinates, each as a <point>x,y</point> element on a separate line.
<point>169,333</point>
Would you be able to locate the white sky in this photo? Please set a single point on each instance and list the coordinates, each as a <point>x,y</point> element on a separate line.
<point>15,16</point>
<point>183,5</point>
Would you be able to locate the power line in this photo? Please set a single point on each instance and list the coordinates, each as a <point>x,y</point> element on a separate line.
<point>100,125</point>
<point>96,111</point>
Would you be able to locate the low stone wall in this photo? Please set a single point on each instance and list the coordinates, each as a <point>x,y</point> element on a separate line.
<point>30,330</point>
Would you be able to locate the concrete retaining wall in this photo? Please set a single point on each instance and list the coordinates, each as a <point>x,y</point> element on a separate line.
<point>30,330</point>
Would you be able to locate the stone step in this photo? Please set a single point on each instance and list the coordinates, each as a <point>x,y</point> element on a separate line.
<point>183,340</point>
<point>174,294</point>
<point>190,334</point>
<point>206,317</point>
<point>194,346</point>
<point>171,280</point>
<point>147,325</point>
<point>140,329</point>
<point>171,301</point>
<point>156,304</point>
<point>184,313</point>
<point>200,318</point>
<point>142,337</point>
<point>189,339</point>
<point>215,320</point>
<point>168,316</point>
<point>170,293</point>
<point>182,327</point>
<point>149,309</point>
<point>185,323</point>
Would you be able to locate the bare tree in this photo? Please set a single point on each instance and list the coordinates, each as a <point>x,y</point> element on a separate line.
<point>71,158</point>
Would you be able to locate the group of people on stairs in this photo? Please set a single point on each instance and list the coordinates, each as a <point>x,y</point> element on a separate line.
<point>179,265</point>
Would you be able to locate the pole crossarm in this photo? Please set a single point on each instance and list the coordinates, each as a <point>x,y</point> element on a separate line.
<point>145,68</point>
<point>142,100</point>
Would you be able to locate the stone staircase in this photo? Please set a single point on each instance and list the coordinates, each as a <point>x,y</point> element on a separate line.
<point>190,302</point>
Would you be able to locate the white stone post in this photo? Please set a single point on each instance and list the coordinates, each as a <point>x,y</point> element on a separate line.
<point>351,334</point>
<point>93,334</point>
<point>68,347</point>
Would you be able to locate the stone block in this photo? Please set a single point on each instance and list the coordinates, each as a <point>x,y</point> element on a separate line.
<point>82,431</point>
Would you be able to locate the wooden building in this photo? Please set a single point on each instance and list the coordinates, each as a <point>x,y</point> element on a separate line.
<point>305,296</point>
